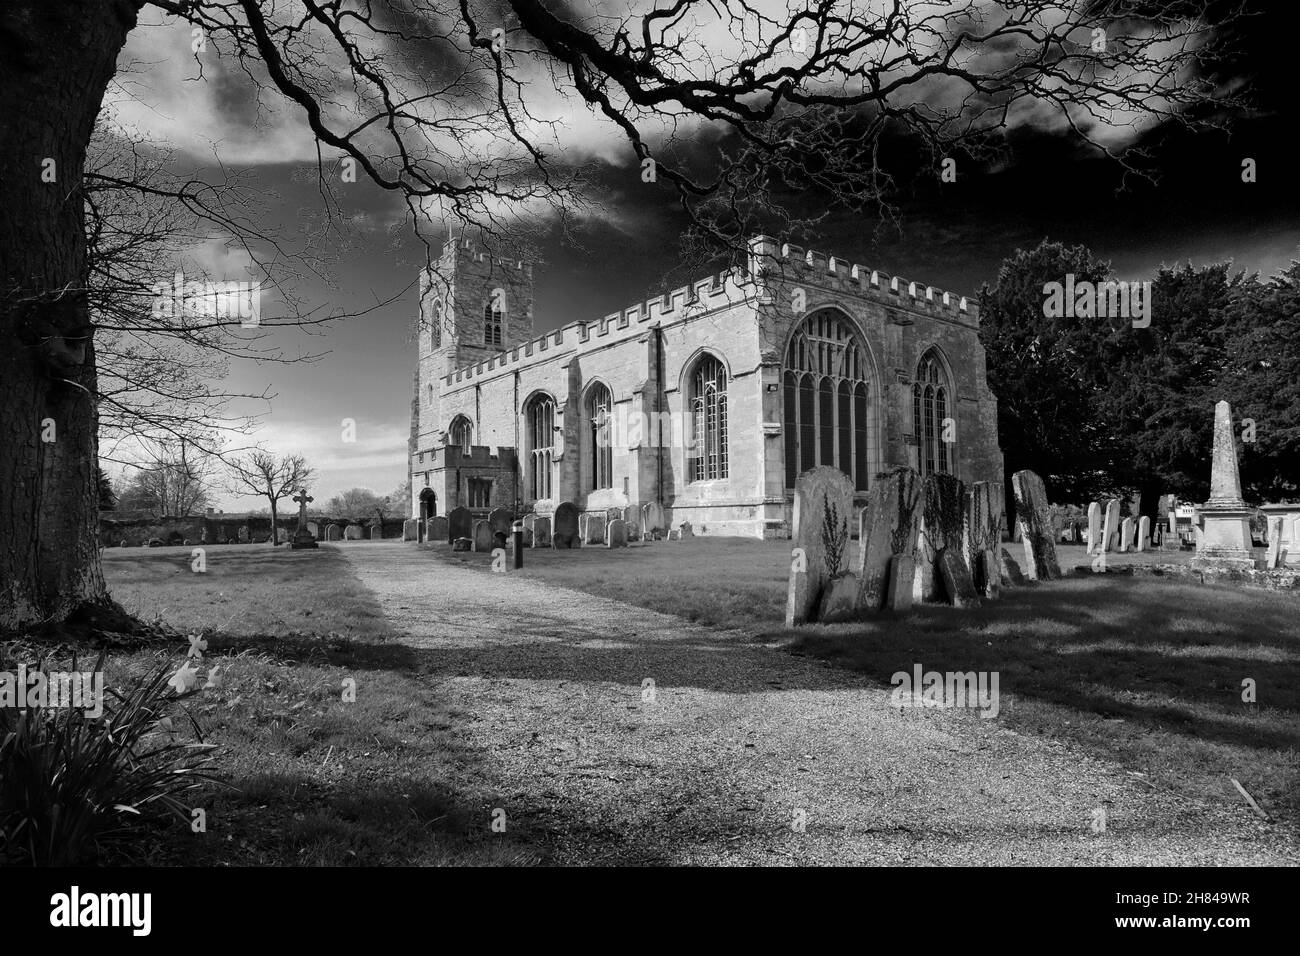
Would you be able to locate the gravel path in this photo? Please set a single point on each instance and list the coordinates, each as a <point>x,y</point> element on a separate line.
<point>740,736</point>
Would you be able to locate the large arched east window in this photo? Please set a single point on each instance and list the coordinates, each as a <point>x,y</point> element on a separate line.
<point>461,434</point>
<point>600,410</point>
<point>932,422</point>
<point>540,416</point>
<point>828,418</point>
<point>709,414</point>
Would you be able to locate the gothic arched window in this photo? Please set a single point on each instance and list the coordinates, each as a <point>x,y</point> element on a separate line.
<point>461,434</point>
<point>494,320</point>
<point>540,417</point>
<point>435,325</point>
<point>932,424</point>
<point>600,409</point>
<point>709,413</point>
<point>828,418</point>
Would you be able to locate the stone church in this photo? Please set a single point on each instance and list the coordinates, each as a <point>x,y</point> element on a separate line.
<point>710,400</point>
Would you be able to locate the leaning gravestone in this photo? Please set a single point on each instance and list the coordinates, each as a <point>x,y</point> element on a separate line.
<point>1273,556</point>
<point>616,534</point>
<point>438,530</point>
<point>956,578</point>
<point>1010,569</point>
<point>887,529</point>
<point>653,523</point>
<point>1035,520</point>
<point>1111,528</point>
<point>460,523</point>
<point>823,507</point>
<point>538,529</point>
<point>500,521</point>
<point>483,538</point>
<point>1144,533</point>
<point>333,532</point>
<point>591,527</point>
<point>981,536</point>
<point>352,532</point>
<point>1094,527</point>
<point>564,526</point>
<point>1126,534</point>
<point>943,509</point>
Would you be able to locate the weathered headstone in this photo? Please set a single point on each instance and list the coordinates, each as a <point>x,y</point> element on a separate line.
<point>1144,533</point>
<point>460,523</point>
<point>956,577</point>
<point>333,532</point>
<point>411,529</point>
<point>437,530</point>
<point>1035,520</point>
<point>462,544</point>
<point>376,531</point>
<point>483,540</point>
<point>616,534</point>
<point>887,527</point>
<point>564,526</point>
<point>839,600</point>
<point>352,532</point>
<point>591,527</point>
<point>1273,558</point>
<point>243,535</point>
<point>823,507</point>
<point>500,520</point>
<point>1126,534</point>
<point>653,523</point>
<point>537,528</point>
<point>1111,526</point>
<point>1094,527</point>
<point>313,529</point>
<point>943,509</point>
<point>902,578</point>
<point>687,530</point>
<point>981,535</point>
<point>632,519</point>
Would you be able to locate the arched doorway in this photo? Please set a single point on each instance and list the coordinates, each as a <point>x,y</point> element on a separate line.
<point>428,504</point>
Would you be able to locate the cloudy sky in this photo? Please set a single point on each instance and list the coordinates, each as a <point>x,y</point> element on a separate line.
<point>952,236</point>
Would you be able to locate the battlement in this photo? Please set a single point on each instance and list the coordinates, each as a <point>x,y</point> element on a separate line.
<point>453,456</point>
<point>794,263</point>
<point>465,250</point>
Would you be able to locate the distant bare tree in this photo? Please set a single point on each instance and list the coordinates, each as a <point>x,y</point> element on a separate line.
<point>262,473</point>
<point>174,484</point>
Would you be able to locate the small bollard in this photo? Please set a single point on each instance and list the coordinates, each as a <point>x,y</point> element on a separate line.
<point>518,529</point>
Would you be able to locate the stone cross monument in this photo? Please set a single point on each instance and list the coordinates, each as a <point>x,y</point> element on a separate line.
<point>1224,540</point>
<point>302,538</point>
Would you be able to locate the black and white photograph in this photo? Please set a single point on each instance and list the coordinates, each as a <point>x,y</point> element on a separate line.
<point>702,434</point>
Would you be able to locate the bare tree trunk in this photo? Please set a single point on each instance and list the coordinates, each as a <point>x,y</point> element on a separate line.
<point>275,528</point>
<point>56,59</point>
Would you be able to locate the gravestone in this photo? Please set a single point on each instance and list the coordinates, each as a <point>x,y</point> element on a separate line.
<point>411,529</point>
<point>303,537</point>
<point>943,509</point>
<point>500,521</point>
<point>591,527</point>
<point>282,535</point>
<point>564,526</point>
<point>1144,533</point>
<point>313,529</point>
<point>1125,534</point>
<point>242,534</point>
<point>352,532</point>
<point>823,507</point>
<point>616,534</point>
<point>653,522</point>
<point>483,538</point>
<point>1111,526</point>
<point>437,530</point>
<point>1094,527</point>
<point>687,531</point>
<point>460,523</point>
<point>902,577</point>
<point>839,601</point>
<point>1273,557</point>
<point>333,532</point>
<point>887,527</point>
<point>1224,541</point>
<point>462,544</point>
<point>632,519</point>
<point>538,529</point>
<point>981,536</point>
<point>376,531</point>
<point>1035,520</point>
<point>956,577</point>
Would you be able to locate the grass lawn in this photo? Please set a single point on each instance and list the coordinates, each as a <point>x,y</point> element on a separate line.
<point>1145,671</point>
<point>313,779</point>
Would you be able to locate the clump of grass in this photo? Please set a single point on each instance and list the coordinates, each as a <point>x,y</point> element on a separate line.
<point>70,781</point>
